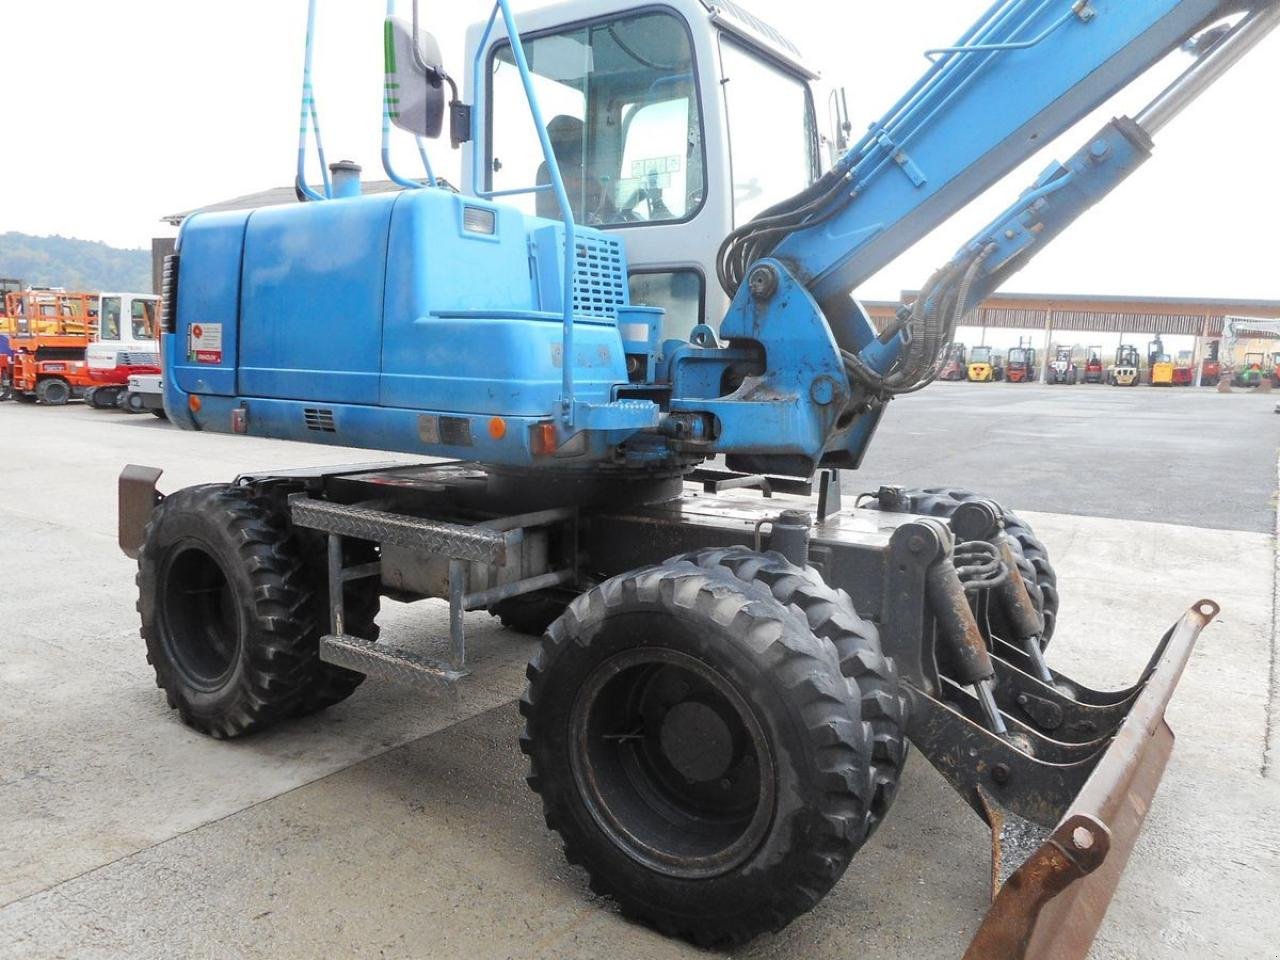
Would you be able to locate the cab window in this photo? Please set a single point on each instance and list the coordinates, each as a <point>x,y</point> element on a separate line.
<point>143,319</point>
<point>773,143</point>
<point>109,319</point>
<point>679,292</point>
<point>621,105</point>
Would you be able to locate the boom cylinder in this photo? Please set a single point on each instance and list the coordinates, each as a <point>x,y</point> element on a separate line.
<point>1209,69</point>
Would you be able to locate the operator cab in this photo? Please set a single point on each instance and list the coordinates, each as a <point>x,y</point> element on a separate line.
<point>671,124</point>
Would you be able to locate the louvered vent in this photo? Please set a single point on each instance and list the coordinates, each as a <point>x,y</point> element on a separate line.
<point>599,283</point>
<point>319,420</point>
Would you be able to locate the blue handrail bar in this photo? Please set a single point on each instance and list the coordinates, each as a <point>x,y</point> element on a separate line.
<point>309,113</point>
<point>479,110</point>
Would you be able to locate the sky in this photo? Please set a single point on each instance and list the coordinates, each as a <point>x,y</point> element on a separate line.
<point>119,113</point>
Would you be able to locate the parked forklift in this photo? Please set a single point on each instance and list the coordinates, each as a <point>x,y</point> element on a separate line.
<point>1063,368</point>
<point>1125,372</point>
<point>985,365</point>
<point>718,713</point>
<point>1159,364</point>
<point>955,367</point>
<point>1211,365</point>
<point>1022,366</point>
<point>1094,369</point>
<point>1184,369</point>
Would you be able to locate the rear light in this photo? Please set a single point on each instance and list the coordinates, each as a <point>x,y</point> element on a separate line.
<point>543,439</point>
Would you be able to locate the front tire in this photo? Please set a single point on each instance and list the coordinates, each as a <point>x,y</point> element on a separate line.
<point>699,751</point>
<point>227,615</point>
<point>1033,557</point>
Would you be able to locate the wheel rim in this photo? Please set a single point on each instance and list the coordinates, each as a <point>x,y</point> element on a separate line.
<point>672,763</point>
<point>201,618</point>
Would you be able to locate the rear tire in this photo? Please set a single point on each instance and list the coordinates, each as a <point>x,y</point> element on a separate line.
<point>227,615</point>
<point>699,752</point>
<point>53,391</point>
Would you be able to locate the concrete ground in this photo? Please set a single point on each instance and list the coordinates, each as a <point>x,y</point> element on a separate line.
<point>399,826</point>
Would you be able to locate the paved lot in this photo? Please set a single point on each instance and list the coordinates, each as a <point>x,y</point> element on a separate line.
<point>1193,457</point>
<point>398,826</point>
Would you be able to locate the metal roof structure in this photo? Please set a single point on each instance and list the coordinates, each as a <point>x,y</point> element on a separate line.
<point>1067,312</point>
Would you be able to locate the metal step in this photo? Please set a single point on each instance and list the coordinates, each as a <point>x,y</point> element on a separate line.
<point>451,540</point>
<point>387,662</point>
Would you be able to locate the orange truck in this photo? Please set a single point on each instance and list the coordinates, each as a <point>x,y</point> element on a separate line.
<point>51,330</point>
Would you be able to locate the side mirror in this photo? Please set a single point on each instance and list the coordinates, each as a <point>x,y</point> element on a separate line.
<point>415,84</point>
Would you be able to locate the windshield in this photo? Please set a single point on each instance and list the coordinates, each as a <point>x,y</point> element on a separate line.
<point>772,131</point>
<point>981,355</point>
<point>1017,355</point>
<point>621,106</point>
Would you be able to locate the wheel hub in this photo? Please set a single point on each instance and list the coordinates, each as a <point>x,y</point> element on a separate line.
<point>672,762</point>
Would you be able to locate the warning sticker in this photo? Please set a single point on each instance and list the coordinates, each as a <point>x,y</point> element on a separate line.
<point>205,343</point>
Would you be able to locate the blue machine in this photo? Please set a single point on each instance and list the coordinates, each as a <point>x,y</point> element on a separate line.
<point>433,323</point>
<point>715,724</point>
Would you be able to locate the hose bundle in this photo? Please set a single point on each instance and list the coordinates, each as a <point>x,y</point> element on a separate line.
<point>756,240</point>
<point>927,326</point>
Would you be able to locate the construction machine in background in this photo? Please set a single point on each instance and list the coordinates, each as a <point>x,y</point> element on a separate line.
<point>127,343</point>
<point>1063,369</point>
<point>1094,369</point>
<point>52,329</point>
<point>955,366</point>
<point>718,714</point>
<point>1022,365</point>
<point>1237,329</point>
<point>1252,371</point>
<point>1126,371</point>
<point>8,326</point>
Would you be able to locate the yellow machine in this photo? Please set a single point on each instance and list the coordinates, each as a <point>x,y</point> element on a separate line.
<point>1162,371</point>
<point>982,367</point>
<point>1159,363</point>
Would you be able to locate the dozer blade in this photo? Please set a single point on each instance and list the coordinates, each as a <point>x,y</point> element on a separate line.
<point>1052,891</point>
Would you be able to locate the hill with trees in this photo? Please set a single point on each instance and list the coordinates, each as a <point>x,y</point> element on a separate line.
<point>73,264</point>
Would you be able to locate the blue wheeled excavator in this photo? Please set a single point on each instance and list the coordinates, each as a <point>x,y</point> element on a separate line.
<point>720,707</point>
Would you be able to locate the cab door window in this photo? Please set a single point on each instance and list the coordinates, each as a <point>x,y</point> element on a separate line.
<point>620,99</point>
<point>109,319</point>
<point>143,319</point>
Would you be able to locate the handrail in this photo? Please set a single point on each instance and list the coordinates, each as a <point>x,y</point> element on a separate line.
<point>1078,9</point>
<point>479,110</point>
<point>309,113</point>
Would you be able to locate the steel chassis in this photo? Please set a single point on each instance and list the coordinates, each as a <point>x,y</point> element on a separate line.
<point>1064,790</point>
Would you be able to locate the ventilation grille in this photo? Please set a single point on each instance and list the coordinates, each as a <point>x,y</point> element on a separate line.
<point>139,360</point>
<point>169,294</point>
<point>600,282</point>
<point>318,420</point>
